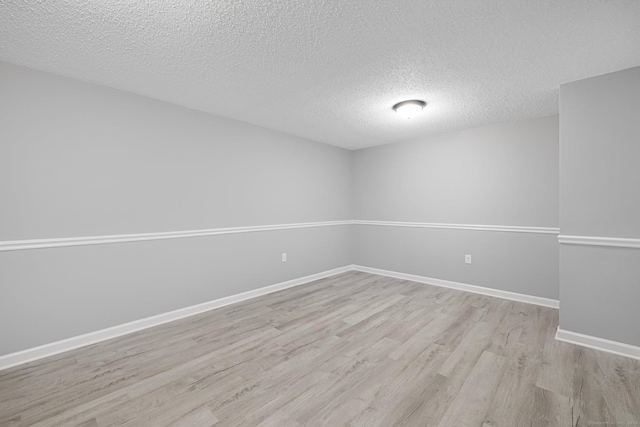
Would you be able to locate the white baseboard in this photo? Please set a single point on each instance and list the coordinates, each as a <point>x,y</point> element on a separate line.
<point>51,349</point>
<point>601,344</point>
<point>529,299</point>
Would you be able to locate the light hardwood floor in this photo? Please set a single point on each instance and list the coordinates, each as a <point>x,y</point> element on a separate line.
<point>351,350</point>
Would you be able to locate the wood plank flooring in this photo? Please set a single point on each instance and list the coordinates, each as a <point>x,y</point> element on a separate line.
<point>351,350</point>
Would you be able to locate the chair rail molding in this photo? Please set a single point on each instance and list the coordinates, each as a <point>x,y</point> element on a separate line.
<point>16,245</point>
<point>616,242</point>
<point>502,228</point>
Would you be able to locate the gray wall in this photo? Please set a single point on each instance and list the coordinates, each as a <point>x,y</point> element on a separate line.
<point>78,159</point>
<point>504,174</point>
<point>52,294</point>
<point>600,196</point>
<point>82,160</point>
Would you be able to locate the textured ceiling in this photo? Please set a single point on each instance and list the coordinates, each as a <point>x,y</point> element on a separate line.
<point>331,70</point>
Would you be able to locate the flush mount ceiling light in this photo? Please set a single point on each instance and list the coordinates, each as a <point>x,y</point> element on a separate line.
<point>409,109</point>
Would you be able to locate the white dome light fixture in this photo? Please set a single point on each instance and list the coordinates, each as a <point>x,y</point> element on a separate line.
<point>409,109</point>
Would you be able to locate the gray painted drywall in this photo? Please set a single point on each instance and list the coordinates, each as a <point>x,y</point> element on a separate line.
<point>504,174</point>
<point>52,294</point>
<point>599,149</point>
<point>599,196</point>
<point>79,160</point>
<point>599,292</point>
<point>82,160</point>
<point>514,262</point>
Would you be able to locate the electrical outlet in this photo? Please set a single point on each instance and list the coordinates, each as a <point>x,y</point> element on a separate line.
<point>284,257</point>
<point>467,259</point>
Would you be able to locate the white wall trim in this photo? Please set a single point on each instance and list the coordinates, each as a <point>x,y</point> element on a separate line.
<point>16,245</point>
<point>596,343</point>
<point>513,296</point>
<point>51,349</point>
<point>503,228</point>
<point>616,242</point>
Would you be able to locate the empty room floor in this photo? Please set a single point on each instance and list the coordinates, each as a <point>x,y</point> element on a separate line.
<point>350,350</point>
